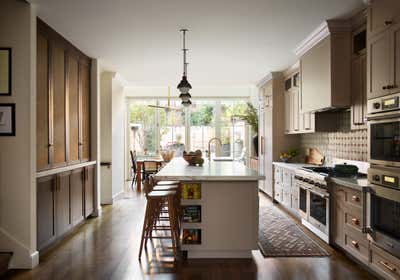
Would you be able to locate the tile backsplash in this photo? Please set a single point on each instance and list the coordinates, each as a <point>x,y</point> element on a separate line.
<point>345,143</point>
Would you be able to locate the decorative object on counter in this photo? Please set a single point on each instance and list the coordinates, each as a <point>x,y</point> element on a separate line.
<point>191,213</point>
<point>167,155</point>
<point>314,156</point>
<point>191,236</point>
<point>251,118</point>
<point>345,170</point>
<point>184,86</point>
<point>5,71</point>
<point>191,190</point>
<point>194,158</point>
<point>7,119</point>
<point>287,156</point>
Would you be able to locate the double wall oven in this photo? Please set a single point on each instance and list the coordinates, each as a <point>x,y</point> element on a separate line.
<point>382,196</point>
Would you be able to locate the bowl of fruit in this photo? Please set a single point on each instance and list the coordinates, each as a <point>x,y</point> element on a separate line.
<point>194,158</point>
<point>287,156</point>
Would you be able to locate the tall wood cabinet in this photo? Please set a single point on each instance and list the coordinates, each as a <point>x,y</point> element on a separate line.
<point>63,107</point>
<point>383,48</point>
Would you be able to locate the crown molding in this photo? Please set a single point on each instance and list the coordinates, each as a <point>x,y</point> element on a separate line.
<point>321,32</point>
<point>270,76</point>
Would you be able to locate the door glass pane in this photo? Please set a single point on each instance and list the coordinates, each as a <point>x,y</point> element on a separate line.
<point>143,127</point>
<point>318,208</point>
<point>172,127</point>
<point>386,216</point>
<point>385,141</point>
<point>303,200</point>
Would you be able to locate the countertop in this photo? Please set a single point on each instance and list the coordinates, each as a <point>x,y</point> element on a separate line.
<point>178,169</point>
<point>354,183</point>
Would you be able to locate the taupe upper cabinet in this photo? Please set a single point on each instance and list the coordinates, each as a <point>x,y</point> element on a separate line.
<point>383,62</point>
<point>325,67</point>
<point>63,104</point>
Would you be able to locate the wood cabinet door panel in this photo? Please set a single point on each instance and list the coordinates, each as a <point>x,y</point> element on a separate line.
<point>45,211</point>
<point>62,202</point>
<point>287,112</point>
<point>89,191</point>
<point>77,188</point>
<point>359,93</point>
<point>84,74</point>
<point>338,216</point>
<point>395,73</point>
<point>382,14</point>
<point>58,117</point>
<point>42,104</point>
<point>295,110</point>
<point>73,109</point>
<point>378,66</point>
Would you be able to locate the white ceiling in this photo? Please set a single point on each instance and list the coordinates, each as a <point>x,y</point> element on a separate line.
<point>231,42</point>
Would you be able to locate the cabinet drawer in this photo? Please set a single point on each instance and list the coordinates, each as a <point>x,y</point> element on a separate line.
<point>287,178</point>
<point>286,199</point>
<point>352,219</point>
<point>384,264</point>
<point>356,245</point>
<point>278,195</point>
<point>295,202</point>
<point>352,198</point>
<point>278,175</point>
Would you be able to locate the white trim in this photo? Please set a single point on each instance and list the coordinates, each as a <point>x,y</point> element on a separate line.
<point>316,230</point>
<point>117,196</point>
<point>320,33</point>
<point>268,77</point>
<point>63,169</point>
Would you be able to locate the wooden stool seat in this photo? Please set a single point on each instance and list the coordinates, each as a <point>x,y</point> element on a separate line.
<point>160,194</point>
<point>166,188</point>
<point>163,183</point>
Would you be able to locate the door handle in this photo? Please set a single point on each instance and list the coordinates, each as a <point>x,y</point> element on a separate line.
<point>106,163</point>
<point>387,266</point>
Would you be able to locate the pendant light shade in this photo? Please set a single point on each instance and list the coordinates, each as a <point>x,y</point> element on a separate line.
<point>184,86</point>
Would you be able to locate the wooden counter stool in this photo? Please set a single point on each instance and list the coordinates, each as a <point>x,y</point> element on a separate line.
<point>156,200</point>
<point>166,183</point>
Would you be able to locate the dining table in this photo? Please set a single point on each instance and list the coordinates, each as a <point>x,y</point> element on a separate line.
<point>140,161</point>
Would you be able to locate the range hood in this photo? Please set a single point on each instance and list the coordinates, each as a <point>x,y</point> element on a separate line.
<point>325,67</point>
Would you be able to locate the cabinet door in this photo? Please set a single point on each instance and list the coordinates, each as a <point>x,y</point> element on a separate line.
<point>287,112</point>
<point>89,190</point>
<point>338,216</point>
<point>77,187</point>
<point>359,93</point>
<point>395,72</point>
<point>73,109</point>
<point>58,104</point>
<point>45,211</point>
<point>42,104</point>
<point>84,76</point>
<point>378,65</point>
<point>381,15</point>
<point>62,203</point>
<point>295,110</point>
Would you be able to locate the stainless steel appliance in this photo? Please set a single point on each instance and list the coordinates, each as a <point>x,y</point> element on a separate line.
<point>381,219</point>
<point>383,106</point>
<point>314,199</point>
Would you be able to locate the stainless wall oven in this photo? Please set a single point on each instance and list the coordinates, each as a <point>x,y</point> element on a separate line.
<point>382,208</point>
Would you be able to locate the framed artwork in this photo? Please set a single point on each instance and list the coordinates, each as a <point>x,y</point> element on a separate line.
<point>7,119</point>
<point>5,71</point>
<point>191,213</point>
<point>191,236</point>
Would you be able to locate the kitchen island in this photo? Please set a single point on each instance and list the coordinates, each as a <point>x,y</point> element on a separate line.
<point>220,206</point>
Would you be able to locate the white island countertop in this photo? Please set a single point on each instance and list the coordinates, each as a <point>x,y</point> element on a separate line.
<point>179,170</point>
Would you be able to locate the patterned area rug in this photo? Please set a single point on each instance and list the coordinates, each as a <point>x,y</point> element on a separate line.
<point>280,236</point>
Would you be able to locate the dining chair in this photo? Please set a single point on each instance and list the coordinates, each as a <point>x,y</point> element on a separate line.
<point>149,168</point>
<point>133,167</point>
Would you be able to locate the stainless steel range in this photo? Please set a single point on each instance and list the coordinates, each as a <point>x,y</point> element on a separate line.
<point>314,199</point>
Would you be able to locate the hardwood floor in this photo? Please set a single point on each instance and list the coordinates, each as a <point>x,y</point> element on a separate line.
<point>107,248</point>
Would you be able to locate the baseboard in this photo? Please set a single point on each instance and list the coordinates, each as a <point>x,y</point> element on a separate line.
<point>22,257</point>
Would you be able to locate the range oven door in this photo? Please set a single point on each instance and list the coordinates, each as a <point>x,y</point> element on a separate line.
<point>384,142</point>
<point>382,217</point>
<point>319,210</point>
<point>303,200</point>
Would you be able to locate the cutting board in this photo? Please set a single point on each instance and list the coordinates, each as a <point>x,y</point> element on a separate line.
<point>315,157</point>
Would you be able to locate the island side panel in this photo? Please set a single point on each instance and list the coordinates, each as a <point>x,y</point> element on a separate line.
<point>229,220</point>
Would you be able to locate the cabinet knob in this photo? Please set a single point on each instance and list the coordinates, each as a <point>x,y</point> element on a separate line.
<point>390,87</point>
<point>355,198</point>
<point>355,221</point>
<point>354,243</point>
<point>384,87</point>
<point>388,22</point>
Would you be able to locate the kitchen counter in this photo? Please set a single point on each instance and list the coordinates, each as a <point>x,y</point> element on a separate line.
<point>178,169</point>
<point>225,194</point>
<point>354,183</point>
<point>291,166</point>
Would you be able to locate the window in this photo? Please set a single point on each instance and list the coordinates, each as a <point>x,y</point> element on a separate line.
<point>202,124</point>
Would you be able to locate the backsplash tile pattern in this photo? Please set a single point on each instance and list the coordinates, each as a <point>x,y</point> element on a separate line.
<point>345,143</point>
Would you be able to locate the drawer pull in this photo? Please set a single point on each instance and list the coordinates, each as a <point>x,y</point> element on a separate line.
<point>354,243</point>
<point>355,221</point>
<point>387,266</point>
<point>384,87</point>
<point>388,22</point>
<point>355,198</point>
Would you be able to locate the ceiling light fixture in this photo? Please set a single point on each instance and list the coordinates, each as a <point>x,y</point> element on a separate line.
<point>184,86</point>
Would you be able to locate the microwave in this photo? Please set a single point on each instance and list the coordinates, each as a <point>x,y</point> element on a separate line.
<point>384,141</point>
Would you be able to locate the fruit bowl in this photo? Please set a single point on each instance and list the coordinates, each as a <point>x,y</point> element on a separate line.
<point>193,158</point>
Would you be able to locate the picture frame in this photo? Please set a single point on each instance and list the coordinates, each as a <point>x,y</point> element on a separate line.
<point>5,71</point>
<point>7,119</point>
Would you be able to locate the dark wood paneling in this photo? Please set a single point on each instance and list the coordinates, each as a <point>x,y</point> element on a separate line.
<point>42,105</point>
<point>77,187</point>
<point>45,211</point>
<point>84,73</point>
<point>89,190</point>
<point>73,109</point>
<point>62,203</point>
<point>58,81</point>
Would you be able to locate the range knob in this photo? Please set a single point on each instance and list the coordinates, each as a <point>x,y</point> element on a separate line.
<point>311,182</point>
<point>376,178</point>
<point>376,105</point>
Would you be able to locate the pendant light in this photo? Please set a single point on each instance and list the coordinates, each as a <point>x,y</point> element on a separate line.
<point>184,86</point>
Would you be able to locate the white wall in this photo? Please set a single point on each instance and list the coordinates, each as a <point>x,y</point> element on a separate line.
<point>18,154</point>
